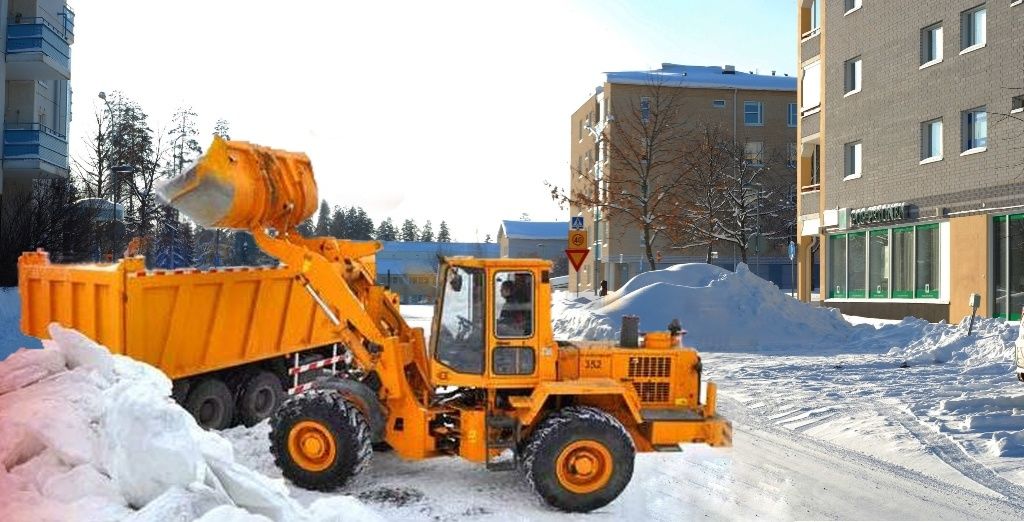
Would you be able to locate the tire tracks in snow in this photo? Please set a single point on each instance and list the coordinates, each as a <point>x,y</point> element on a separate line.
<point>950,452</point>
<point>1005,497</point>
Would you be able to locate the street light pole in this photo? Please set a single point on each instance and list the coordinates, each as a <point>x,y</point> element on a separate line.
<point>597,131</point>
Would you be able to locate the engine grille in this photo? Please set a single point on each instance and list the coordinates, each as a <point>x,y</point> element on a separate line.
<point>652,391</point>
<point>650,367</point>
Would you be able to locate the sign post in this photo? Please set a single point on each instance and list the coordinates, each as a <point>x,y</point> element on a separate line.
<point>792,266</point>
<point>577,247</point>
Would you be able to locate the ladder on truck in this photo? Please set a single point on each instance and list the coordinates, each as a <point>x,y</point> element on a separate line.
<point>298,369</point>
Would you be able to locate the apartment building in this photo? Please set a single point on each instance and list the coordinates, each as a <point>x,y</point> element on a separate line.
<point>910,166</point>
<point>757,110</point>
<point>35,87</point>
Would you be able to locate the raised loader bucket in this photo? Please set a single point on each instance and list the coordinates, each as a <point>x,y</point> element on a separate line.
<point>243,186</point>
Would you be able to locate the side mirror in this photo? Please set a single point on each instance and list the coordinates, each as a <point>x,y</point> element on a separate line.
<point>455,281</point>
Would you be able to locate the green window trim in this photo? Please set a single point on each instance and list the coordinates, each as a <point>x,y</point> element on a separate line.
<point>832,293</point>
<point>879,291</point>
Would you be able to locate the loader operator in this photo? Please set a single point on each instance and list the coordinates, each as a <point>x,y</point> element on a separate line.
<point>515,318</point>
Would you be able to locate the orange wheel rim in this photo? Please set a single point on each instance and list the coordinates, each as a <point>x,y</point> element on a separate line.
<point>311,446</point>
<point>584,466</point>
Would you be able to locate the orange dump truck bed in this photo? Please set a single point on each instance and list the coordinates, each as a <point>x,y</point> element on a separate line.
<point>185,322</point>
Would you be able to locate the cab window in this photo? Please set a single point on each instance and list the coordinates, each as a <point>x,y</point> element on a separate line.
<point>460,343</point>
<point>513,305</point>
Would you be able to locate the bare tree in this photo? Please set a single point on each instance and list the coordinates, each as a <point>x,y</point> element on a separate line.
<point>708,162</point>
<point>647,176</point>
<point>757,198</point>
<point>92,170</point>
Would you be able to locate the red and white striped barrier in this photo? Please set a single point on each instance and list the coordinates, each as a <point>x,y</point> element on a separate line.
<point>301,388</point>
<point>295,370</point>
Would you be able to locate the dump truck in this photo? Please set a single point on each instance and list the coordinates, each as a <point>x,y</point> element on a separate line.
<point>493,385</point>
<point>232,339</point>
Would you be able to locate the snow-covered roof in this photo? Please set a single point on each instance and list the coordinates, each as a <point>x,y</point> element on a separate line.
<point>408,257</point>
<point>708,77</point>
<point>535,229</point>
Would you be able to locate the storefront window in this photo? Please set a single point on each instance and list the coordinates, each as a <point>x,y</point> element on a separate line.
<point>928,257</point>
<point>857,266</point>
<point>837,265</point>
<point>878,264</point>
<point>1016,285</point>
<point>999,242</point>
<point>902,262</point>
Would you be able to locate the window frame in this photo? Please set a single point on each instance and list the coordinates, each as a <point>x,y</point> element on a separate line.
<point>926,45</point>
<point>969,122</point>
<point>645,109</point>
<point>759,113</point>
<point>759,157</point>
<point>718,104</point>
<point>498,308</point>
<point>927,138</point>
<point>792,114</point>
<point>850,6</point>
<point>853,76</point>
<point>969,40</point>
<point>853,160</point>
<point>1017,102</point>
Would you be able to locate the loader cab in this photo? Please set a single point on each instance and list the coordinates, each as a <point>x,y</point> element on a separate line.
<point>492,324</point>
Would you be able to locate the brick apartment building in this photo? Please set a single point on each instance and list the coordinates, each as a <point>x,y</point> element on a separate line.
<point>757,110</point>
<point>910,172</point>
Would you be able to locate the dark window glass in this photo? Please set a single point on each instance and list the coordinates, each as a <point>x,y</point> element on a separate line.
<point>513,360</point>
<point>460,344</point>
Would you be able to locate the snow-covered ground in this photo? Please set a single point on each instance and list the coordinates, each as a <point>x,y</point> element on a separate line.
<point>834,418</point>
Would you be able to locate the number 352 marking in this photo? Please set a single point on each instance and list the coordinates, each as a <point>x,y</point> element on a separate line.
<point>592,364</point>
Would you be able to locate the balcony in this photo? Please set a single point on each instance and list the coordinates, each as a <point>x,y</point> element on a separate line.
<point>34,151</point>
<point>39,50</point>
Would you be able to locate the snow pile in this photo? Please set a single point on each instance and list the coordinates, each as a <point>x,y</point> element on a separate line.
<point>10,330</point>
<point>991,341</point>
<point>721,310</point>
<point>85,435</point>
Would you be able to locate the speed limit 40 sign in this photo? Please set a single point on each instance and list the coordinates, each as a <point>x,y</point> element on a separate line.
<point>577,239</point>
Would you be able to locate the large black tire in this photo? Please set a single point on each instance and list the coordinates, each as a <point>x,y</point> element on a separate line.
<point>212,404</point>
<point>565,437</point>
<point>327,421</point>
<point>261,395</point>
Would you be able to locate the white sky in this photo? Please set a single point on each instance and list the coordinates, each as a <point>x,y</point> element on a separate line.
<point>429,110</point>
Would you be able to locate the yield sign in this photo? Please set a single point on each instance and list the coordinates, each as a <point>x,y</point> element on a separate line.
<point>576,257</point>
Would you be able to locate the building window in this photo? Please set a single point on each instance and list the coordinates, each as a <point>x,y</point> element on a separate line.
<point>851,5</point>
<point>718,104</point>
<point>856,265</point>
<point>1017,104</point>
<point>931,44</point>
<point>897,263</point>
<point>816,165</point>
<point>903,262</point>
<point>753,152</point>
<point>927,267</point>
<point>645,109</point>
<point>931,140</point>
<point>972,29</point>
<point>753,113</point>
<point>810,87</point>
<point>853,75</point>
<point>878,264</point>
<point>791,157</point>
<point>791,115</point>
<point>815,15</point>
<point>837,266</point>
<point>853,160</point>
<point>1008,266</point>
<point>975,129</point>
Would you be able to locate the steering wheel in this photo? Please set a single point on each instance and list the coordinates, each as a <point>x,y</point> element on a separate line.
<point>465,328</point>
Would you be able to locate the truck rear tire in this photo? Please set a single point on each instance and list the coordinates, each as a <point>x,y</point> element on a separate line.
<point>320,440</point>
<point>211,403</point>
<point>261,395</point>
<point>579,459</point>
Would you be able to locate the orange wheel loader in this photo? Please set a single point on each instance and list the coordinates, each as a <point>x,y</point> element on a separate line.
<point>493,386</point>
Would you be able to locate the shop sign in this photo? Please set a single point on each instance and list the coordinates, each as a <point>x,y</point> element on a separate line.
<point>878,214</point>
